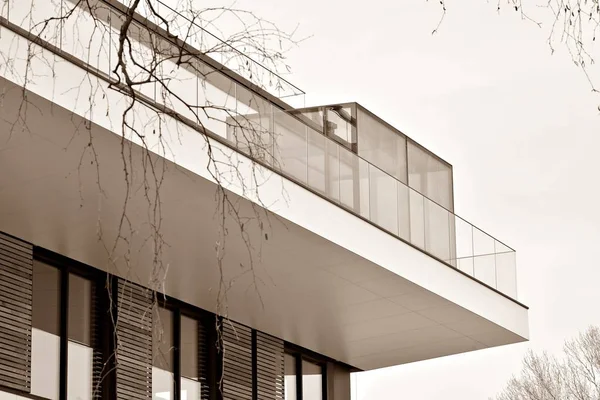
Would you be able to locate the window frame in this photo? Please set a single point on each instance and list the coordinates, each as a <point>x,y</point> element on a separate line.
<point>301,355</point>
<point>209,372</point>
<point>66,267</point>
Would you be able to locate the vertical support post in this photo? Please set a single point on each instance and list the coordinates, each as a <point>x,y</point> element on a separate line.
<point>298,377</point>
<point>64,332</point>
<point>324,381</point>
<point>177,353</point>
<point>254,366</point>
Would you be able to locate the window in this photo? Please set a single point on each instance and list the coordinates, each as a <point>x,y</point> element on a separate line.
<point>290,377</point>
<point>190,371</point>
<point>45,332</point>
<point>162,356</point>
<point>303,378</point>
<point>312,381</point>
<point>80,351</point>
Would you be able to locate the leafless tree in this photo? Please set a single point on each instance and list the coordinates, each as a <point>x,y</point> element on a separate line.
<point>144,50</point>
<point>575,376</point>
<point>572,24</point>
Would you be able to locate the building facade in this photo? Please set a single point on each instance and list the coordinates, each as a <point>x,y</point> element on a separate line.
<point>254,250</point>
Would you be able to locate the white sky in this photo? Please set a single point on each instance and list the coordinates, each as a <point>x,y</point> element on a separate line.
<point>520,127</point>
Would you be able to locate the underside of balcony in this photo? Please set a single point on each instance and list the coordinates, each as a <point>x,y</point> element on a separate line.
<point>308,276</point>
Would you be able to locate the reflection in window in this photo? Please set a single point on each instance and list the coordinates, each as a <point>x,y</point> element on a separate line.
<point>190,385</point>
<point>312,381</point>
<point>339,126</point>
<point>290,377</point>
<point>80,353</point>
<point>162,356</point>
<point>45,340</point>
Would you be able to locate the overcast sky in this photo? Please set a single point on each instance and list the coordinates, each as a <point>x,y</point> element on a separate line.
<point>519,126</point>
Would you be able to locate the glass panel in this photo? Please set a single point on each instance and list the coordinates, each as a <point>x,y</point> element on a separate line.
<point>506,273</point>
<point>485,269</point>
<point>466,265</point>
<point>382,146</point>
<point>250,129</point>
<point>417,219</point>
<point>189,347</point>
<point>483,244</point>
<point>384,200</point>
<point>464,238</point>
<point>162,384</point>
<point>313,118</point>
<point>365,190</point>
<point>429,176</point>
<point>80,309</point>
<point>290,377</point>
<point>162,356</point>
<point>45,340</point>
<point>84,36</point>
<point>403,211</point>
<point>316,161</point>
<point>290,145</point>
<point>215,89</point>
<point>437,230</point>
<point>332,170</point>
<point>45,359</point>
<point>312,381</point>
<point>79,371</point>
<point>349,180</point>
<point>339,126</point>
<point>32,15</point>
<point>190,389</point>
<point>80,354</point>
<point>178,86</point>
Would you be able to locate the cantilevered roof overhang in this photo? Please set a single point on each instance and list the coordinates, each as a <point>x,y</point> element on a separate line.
<point>322,278</point>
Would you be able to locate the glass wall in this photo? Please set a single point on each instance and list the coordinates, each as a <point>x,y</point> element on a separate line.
<point>190,370</point>
<point>291,387</point>
<point>312,381</point>
<point>162,356</point>
<point>339,125</point>
<point>381,146</point>
<point>430,176</point>
<point>45,332</point>
<point>80,351</point>
<point>303,374</point>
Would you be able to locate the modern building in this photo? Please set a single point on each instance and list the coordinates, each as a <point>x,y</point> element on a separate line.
<point>338,250</point>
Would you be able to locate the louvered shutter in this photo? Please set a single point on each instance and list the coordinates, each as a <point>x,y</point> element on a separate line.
<point>270,371</point>
<point>237,361</point>
<point>16,292</point>
<point>134,342</point>
<point>97,360</point>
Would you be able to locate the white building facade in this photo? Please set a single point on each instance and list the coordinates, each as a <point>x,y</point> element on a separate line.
<point>223,244</point>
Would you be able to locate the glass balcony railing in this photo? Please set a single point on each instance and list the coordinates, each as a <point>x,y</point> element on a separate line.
<point>315,161</point>
<point>290,144</point>
<point>187,29</point>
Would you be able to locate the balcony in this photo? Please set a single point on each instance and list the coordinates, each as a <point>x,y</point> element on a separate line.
<point>352,158</point>
<point>343,152</point>
<point>334,175</point>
